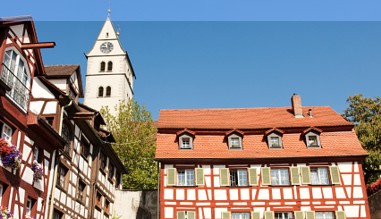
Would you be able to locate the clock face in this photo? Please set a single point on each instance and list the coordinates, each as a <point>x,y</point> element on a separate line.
<point>106,47</point>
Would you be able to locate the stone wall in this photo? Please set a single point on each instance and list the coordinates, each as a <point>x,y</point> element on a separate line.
<point>136,204</point>
<point>375,205</point>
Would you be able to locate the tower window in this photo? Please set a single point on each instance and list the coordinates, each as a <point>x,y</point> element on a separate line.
<point>108,91</point>
<point>103,66</point>
<point>109,66</point>
<point>100,92</point>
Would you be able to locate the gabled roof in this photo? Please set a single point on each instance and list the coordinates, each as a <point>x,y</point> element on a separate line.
<point>65,71</point>
<point>248,118</point>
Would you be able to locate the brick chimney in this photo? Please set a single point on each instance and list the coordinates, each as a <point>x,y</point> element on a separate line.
<point>296,102</point>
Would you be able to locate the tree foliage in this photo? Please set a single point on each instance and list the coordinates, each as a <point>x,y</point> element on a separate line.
<point>134,132</point>
<point>365,113</point>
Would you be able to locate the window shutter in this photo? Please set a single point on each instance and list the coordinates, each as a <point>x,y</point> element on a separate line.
<point>310,215</point>
<point>224,177</point>
<point>253,178</point>
<point>306,175</point>
<point>269,215</point>
<point>181,215</point>
<point>298,215</point>
<point>171,174</point>
<point>225,215</point>
<point>255,215</point>
<point>340,215</point>
<point>335,175</point>
<point>191,215</point>
<point>199,176</point>
<point>295,175</point>
<point>266,176</point>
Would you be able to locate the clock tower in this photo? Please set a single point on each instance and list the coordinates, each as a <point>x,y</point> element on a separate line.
<point>109,76</point>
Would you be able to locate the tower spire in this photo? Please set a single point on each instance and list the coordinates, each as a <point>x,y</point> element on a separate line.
<point>109,9</point>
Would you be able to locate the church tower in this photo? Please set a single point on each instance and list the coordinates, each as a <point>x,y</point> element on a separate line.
<point>110,76</point>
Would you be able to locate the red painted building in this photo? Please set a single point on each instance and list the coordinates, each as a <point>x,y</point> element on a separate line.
<point>260,163</point>
<point>28,140</point>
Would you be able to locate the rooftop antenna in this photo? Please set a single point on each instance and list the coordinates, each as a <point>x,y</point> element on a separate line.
<point>109,9</point>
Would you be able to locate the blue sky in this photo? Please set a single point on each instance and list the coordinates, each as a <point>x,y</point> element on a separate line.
<point>188,54</point>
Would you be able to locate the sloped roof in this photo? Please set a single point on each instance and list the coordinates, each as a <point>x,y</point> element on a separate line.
<point>337,139</point>
<point>65,71</point>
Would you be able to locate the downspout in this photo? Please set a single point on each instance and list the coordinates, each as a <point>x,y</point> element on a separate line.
<point>158,190</point>
<point>51,207</point>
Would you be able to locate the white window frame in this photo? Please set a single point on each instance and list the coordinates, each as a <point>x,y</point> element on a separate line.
<point>36,151</point>
<point>235,141</point>
<point>185,142</point>
<point>185,177</point>
<point>270,138</point>
<point>321,175</point>
<point>307,139</point>
<point>6,133</point>
<point>240,215</point>
<point>283,215</point>
<point>29,206</point>
<point>324,215</point>
<point>239,175</point>
<point>20,75</point>
<point>1,192</point>
<point>278,178</point>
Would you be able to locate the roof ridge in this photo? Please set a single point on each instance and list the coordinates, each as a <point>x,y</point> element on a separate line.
<point>239,108</point>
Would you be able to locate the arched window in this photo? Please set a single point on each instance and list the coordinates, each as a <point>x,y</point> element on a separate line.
<point>16,75</point>
<point>108,91</point>
<point>109,66</point>
<point>100,92</point>
<point>103,66</point>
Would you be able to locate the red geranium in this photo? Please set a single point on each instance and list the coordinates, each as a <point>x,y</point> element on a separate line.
<point>4,147</point>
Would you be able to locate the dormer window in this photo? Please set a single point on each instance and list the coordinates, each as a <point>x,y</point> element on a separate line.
<point>185,139</point>
<point>274,138</point>
<point>234,139</point>
<point>312,137</point>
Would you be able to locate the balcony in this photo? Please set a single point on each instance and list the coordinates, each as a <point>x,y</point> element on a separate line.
<point>16,88</point>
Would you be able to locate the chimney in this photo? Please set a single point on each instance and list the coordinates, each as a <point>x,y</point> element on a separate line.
<point>296,102</point>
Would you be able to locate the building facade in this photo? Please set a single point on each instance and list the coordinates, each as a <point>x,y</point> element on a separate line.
<point>261,163</point>
<point>28,142</point>
<point>110,76</point>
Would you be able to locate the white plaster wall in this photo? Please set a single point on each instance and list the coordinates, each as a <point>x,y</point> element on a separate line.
<point>60,83</point>
<point>126,204</point>
<point>39,90</point>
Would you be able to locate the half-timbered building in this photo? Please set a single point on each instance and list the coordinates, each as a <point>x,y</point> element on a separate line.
<point>28,142</point>
<point>260,163</point>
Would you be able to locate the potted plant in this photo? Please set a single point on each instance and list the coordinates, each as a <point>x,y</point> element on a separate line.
<point>10,155</point>
<point>37,171</point>
<point>5,213</point>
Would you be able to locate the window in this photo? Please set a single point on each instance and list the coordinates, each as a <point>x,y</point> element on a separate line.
<point>100,92</point>
<point>103,66</point>
<point>234,141</point>
<point>61,177</point>
<point>185,177</point>
<point>109,66</point>
<point>36,152</point>
<point>29,207</point>
<point>240,215</point>
<point>67,136</point>
<point>107,206</point>
<point>274,140</point>
<point>185,142</point>
<point>324,215</point>
<point>110,171</point>
<point>81,194</point>
<point>284,215</point>
<point>98,200</point>
<point>6,133</point>
<point>85,147</point>
<point>1,192</point>
<point>103,161</point>
<point>238,177</point>
<point>280,176</point>
<point>108,91</point>
<point>117,178</point>
<point>319,176</point>
<point>15,74</point>
<point>57,214</point>
<point>312,139</point>
<point>186,215</point>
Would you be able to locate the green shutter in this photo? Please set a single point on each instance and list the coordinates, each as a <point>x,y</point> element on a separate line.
<point>306,175</point>
<point>335,175</point>
<point>295,175</point>
<point>253,178</point>
<point>269,215</point>
<point>199,176</point>
<point>340,215</point>
<point>191,215</point>
<point>266,176</point>
<point>298,214</point>
<point>181,215</point>
<point>224,177</point>
<point>310,215</point>
<point>171,174</point>
<point>225,215</point>
<point>255,215</point>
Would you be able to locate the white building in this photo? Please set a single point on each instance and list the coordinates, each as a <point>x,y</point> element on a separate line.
<point>110,76</point>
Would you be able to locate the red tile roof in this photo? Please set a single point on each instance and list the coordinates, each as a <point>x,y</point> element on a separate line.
<point>337,143</point>
<point>61,70</point>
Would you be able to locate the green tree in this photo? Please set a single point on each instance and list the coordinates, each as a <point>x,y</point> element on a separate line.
<point>365,113</point>
<point>134,132</point>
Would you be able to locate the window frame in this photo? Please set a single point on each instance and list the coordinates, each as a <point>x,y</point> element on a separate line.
<point>108,91</point>
<point>238,180</point>
<point>29,205</point>
<point>85,147</point>
<point>283,215</point>
<point>181,142</point>
<point>1,193</point>
<point>103,66</point>
<point>81,191</point>
<point>185,177</point>
<point>109,66</point>
<point>279,176</point>
<point>319,177</point>
<point>103,162</point>
<point>100,91</point>
<point>6,136</point>
<point>324,214</point>
<point>312,134</point>
<point>272,136</point>
<point>239,215</point>
<point>233,139</point>
<point>62,178</point>
<point>57,214</point>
